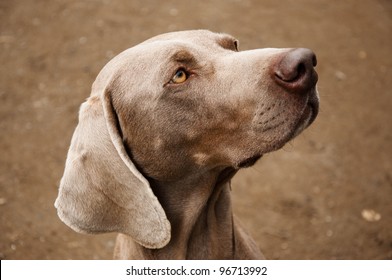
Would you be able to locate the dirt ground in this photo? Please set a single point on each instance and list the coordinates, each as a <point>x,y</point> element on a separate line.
<point>325,195</point>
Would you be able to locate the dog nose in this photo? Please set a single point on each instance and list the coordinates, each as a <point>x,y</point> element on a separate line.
<point>295,70</point>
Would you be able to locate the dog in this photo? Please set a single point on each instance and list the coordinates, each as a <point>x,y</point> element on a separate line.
<point>169,122</point>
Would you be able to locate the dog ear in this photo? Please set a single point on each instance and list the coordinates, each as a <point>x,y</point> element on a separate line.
<point>101,189</point>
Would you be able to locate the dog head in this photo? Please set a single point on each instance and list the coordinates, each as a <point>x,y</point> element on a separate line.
<point>174,105</point>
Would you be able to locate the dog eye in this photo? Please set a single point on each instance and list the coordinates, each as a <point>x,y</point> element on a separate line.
<point>180,77</point>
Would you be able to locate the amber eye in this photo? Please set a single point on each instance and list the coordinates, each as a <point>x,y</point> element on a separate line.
<point>179,77</point>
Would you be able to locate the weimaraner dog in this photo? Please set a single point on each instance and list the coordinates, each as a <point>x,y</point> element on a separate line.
<point>169,122</point>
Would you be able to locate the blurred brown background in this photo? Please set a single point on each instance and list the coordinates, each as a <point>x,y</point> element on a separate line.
<point>326,195</point>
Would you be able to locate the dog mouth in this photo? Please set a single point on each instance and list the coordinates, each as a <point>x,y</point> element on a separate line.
<point>249,161</point>
<point>313,107</point>
<point>309,114</point>
<point>308,117</point>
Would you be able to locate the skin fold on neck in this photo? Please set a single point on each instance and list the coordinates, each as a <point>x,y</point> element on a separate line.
<point>200,212</point>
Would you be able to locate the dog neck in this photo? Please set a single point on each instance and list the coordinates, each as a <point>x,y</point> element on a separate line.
<point>199,210</point>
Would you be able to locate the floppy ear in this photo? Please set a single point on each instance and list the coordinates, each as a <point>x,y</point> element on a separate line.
<point>101,189</point>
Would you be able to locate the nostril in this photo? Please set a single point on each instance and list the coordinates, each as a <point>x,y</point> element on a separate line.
<point>314,60</point>
<point>295,69</point>
<point>291,74</point>
<point>301,70</point>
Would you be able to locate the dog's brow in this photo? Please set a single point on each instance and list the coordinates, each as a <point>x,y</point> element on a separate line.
<point>184,57</point>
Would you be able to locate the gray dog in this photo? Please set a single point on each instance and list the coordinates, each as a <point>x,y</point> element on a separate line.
<point>169,122</point>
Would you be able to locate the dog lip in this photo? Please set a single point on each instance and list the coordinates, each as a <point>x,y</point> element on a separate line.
<point>313,104</point>
<point>308,115</point>
<point>249,161</point>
